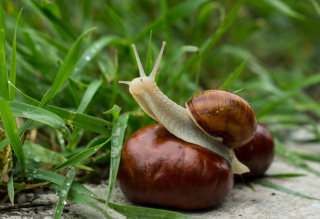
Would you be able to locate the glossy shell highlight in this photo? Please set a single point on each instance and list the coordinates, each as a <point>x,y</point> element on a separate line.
<point>223,114</point>
<point>158,168</point>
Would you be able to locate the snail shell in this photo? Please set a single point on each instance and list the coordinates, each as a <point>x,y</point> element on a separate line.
<point>223,114</point>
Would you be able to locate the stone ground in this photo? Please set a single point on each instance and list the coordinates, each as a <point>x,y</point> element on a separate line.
<point>242,202</point>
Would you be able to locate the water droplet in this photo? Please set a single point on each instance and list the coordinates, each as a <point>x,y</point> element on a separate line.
<point>93,50</point>
<point>58,211</point>
<point>68,184</point>
<point>91,195</point>
<point>76,69</point>
<point>88,58</point>
<point>97,46</point>
<point>35,170</point>
<point>34,176</point>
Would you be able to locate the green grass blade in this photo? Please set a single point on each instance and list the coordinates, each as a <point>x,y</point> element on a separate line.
<point>148,68</point>
<point>222,29</point>
<point>73,90</point>
<point>114,109</point>
<point>4,89</point>
<point>312,157</point>
<point>58,23</point>
<point>177,12</point>
<point>293,157</point>
<point>41,115</point>
<point>315,5</point>
<point>64,192</point>
<point>68,65</point>
<point>282,189</point>
<point>13,67</point>
<point>94,49</point>
<point>12,132</point>
<point>91,90</point>
<point>80,156</point>
<point>234,75</point>
<point>40,154</point>
<point>10,188</point>
<point>118,130</point>
<point>284,175</point>
<point>117,19</point>
<point>76,197</point>
<point>284,8</point>
<point>301,83</point>
<point>146,213</point>
<point>78,120</point>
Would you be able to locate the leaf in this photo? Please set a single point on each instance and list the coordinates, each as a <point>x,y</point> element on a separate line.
<point>173,14</point>
<point>284,175</point>
<point>282,189</point>
<point>117,19</point>
<point>146,213</point>
<point>13,66</point>
<point>222,28</point>
<point>91,90</point>
<point>67,182</point>
<point>292,157</point>
<point>11,189</point>
<point>92,50</point>
<point>284,8</point>
<point>114,109</point>
<point>149,57</point>
<point>80,156</point>
<point>5,159</point>
<point>4,89</point>
<point>41,115</point>
<point>233,76</point>
<point>82,121</point>
<point>312,157</point>
<point>12,132</point>
<point>301,83</point>
<point>315,5</point>
<point>68,65</point>
<point>118,130</point>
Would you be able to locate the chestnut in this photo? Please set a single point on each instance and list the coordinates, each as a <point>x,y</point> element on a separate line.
<point>258,154</point>
<point>158,168</point>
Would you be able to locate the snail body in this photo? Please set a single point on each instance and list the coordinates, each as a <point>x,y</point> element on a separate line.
<point>177,120</point>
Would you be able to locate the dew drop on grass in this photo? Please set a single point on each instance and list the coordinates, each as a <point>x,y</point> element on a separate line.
<point>97,46</point>
<point>76,69</point>
<point>68,184</point>
<point>93,50</point>
<point>88,58</point>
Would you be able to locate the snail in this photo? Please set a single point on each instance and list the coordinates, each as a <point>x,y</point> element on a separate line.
<point>215,120</point>
<point>258,153</point>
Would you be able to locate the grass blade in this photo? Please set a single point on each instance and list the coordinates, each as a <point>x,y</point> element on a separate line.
<point>222,29</point>
<point>13,67</point>
<point>285,175</point>
<point>315,5</point>
<point>79,120</point>
<point>282,189</point>
<point>64,192</point>
<point>234,75</point>
<point>12,132</point>
<point>41,115</point>
<point>68,65</point>
<point>118,130</point>
<point>292,157</point>
<point>301,83</point>
<point>149,57</point>
<point>312,157</point>
<point>117,19</point>
<point>94,49</point>
<point>173,14</point>
<point>11,189</point>
<point>284,8</point>
<point>4,89</point>
<point>81,156</point>
<point>146,213</point>
<point>91,90</point>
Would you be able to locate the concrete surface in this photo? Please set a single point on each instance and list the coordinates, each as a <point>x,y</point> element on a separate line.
<point>242,202</point>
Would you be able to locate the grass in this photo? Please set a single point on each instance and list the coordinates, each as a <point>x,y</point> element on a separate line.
<point>65,61</point>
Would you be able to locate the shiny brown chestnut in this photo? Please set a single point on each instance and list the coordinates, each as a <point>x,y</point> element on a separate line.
<point>158,168</point>
<point>258,154</point>
<point>223,114</point>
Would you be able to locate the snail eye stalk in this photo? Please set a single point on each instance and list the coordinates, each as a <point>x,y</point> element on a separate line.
<point>141,71</point>
<point>156,66</point>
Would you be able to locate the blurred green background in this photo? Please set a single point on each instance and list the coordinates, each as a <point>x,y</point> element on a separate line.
<point>280,40</point>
